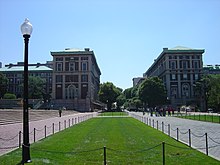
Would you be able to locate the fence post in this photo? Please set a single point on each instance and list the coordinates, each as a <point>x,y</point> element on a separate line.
<point>19,139</point>
<point>177,134</point>
<point>34,134</point>
<point>72,121</point>
<point>45,131</point>
<point>157,124</point>
<point>169,129</point>
<point>147,120</point>
<point>59,125</point>
<point>53,128</point>
<point>150,122</point>
<point>153,123</point>
<point>163,146</point>
<point>65,124</point>
<point>189,137</point>
<point>162,126</point>
<point>105,155</point>
<point>207,147</point>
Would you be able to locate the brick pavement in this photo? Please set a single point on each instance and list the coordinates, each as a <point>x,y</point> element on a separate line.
<point>9,133</point>
<point>197,129</point>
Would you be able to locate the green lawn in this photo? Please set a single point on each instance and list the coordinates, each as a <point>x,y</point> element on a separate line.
<point>127,140</point>
<point>113,114</point>
<point>207,118</point>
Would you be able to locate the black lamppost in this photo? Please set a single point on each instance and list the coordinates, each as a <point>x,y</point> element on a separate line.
<point>26,30</point>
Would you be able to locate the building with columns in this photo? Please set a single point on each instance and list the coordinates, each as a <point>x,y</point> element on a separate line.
<point>179,68</point>
<point>76,79</point>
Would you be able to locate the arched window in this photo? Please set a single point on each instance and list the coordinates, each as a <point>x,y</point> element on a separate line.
<point>71,92</point>
<point>185,90</point>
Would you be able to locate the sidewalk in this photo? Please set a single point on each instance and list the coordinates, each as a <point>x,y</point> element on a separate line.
<point>197,129</point>
<point>9,134</point>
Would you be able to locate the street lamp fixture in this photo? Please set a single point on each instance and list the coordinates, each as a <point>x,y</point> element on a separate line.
<point>26,30</point>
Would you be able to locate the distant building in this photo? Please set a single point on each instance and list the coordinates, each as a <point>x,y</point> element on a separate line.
<point>76,79</point>
<point>211,69</point>
<point>138,80</point>
<point>14,73</point>
<point>179,68</point>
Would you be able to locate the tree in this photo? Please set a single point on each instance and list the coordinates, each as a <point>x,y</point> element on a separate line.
<point>120,100</point>
<point>3,85</point>
<point>108,94</point>
<point>152,92</point>
<point>202,91</point>
<point>35,87</point>
<point>214,93</point>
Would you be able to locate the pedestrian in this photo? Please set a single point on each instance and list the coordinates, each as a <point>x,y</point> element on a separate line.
<point>60,112</point>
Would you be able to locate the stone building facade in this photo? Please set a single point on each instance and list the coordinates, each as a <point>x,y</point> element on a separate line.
<point>76,79</point>
<point>179,68</point>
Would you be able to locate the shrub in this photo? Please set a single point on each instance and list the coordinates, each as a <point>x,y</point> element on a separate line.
<point>9,96</point>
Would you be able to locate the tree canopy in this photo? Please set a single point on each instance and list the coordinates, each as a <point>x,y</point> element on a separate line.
<point>152,92</point>
<point>3,85</point>
<point>108,94</point>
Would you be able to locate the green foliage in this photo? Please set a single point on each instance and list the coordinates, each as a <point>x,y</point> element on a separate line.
<point>36,87</point>
<point>152,92</point>
<point>9,96</point>
<point>108,94</point>
<point>207,90</point>
<point>3,85</point>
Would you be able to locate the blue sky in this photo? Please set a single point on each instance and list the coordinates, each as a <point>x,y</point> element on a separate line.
<point>126,35</point>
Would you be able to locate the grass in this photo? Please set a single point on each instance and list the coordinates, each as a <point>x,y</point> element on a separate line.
<point>127,140</point>
<point>199,117</point>
<point>113,114</point>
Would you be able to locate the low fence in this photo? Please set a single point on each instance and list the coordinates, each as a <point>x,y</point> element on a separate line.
<point>38,134</point>
<point>200,116</point>
<point>177,134</point>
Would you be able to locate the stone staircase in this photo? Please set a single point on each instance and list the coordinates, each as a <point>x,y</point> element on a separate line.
<point>16,116</point>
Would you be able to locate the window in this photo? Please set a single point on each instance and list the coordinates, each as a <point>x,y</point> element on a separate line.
<point>195,64</point>
<point>173,76</point>
<point>172,64</point>
<point>84,78</point>
<point>59,59</point>
<point>185,76</point>
<point>196,76</point>
<point>84,66</point>
<point>59,66</point>
<point>185,90</point>
<point>72,78</point>
<point>59,78</point>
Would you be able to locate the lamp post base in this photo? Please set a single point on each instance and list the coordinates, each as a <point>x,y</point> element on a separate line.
<point>26,154</point>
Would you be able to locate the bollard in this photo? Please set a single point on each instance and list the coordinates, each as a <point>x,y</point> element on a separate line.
<point>189,137</point>
<point>65,124</point>
<point>34,134</point>
<point>19,139</point>
<point>45,131</point>
<point>69,122</point>
<point>153,123</point>
<point>53,128</point>
<point>207,147</point>
<point>163,146</point>
<point>157,124</point>
<point>177,134</point>
<point>169,129</point>
<point>162,127</point>
<point>105,155</point>
<point>72,121</point>
<point>59,125</point>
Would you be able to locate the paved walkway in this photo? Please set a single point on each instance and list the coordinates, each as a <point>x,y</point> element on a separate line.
<point>197,129</point>
<point>9,133</point>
